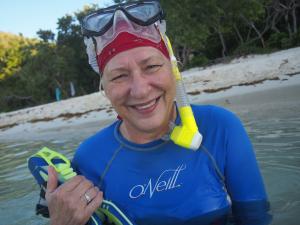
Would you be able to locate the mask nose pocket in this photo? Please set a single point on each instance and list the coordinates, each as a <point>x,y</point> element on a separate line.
<point>121,22</point>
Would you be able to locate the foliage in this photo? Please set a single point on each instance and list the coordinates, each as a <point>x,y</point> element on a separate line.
<point>14,50</point>
<point>201,32</point>
<point>46,35</point>
<point>31,70</point>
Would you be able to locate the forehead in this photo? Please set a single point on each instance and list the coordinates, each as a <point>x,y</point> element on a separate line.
<point>139,55</point>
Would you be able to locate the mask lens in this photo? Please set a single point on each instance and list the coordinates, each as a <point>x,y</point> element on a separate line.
<point>144,12</point>
<point>97,22</point>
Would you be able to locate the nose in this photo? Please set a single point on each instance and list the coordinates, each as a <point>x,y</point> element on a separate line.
<point>140,87</point>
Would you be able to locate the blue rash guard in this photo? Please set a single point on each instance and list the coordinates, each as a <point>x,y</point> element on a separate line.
<point>160,183</point>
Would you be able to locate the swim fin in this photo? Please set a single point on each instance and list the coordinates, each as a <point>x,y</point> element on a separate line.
<point>38,165</point>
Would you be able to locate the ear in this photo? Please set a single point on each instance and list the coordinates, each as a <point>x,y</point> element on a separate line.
<point>101,84</point>
<point>102,88</point>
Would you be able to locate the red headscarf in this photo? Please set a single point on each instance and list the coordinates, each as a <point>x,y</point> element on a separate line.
<point>125,41</point>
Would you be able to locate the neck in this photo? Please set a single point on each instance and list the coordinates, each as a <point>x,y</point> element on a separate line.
<point>142,137</point>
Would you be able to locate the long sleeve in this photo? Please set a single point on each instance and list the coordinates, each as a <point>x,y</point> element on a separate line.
<point>244,182</point>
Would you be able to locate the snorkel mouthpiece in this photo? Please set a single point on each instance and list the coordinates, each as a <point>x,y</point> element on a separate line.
<point>186,135</point>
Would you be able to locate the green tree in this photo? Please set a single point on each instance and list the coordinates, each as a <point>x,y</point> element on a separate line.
<point>72,49</point>
<point>46,35</point>
<point>185,28</point>
<point>14,50</point>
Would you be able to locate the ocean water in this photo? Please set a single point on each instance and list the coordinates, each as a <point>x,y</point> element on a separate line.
<point>273,126</point>
<point>275,134</point>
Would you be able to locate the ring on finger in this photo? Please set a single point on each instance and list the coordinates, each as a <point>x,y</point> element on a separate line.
<point>87,198</point>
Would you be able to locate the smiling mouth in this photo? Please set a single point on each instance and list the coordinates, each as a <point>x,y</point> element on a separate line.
<point>146,107</point>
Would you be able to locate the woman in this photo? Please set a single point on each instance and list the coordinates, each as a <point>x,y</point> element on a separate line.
<point>133,162</point>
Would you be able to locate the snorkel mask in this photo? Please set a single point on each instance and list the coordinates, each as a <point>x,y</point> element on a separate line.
<point>143,24</point>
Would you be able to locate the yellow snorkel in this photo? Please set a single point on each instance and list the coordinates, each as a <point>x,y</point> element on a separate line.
<point>187,134</point>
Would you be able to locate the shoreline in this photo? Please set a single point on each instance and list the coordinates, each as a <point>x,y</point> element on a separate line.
<point>248,98</point>
<point>222,84</point>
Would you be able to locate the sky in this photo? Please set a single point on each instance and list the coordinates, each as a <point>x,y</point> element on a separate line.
<point>28,16</point>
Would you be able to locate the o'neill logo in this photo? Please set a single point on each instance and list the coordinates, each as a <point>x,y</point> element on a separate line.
<point>167,180</point>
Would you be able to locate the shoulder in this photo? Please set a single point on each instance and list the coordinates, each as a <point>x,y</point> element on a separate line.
<point>104,133</point>
<point>213,115</point>
<point>94,145</point>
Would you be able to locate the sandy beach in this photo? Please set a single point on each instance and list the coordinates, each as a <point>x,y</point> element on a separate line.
<point>250,80</point>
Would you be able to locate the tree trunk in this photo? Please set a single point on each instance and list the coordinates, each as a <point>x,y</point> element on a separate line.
<point>185,55</point>
<point>272,19</point>
<point>274,22</point>
<point>286,18</point>
<point>248,34</point>
<point>294,17</point>
<point>238,33</point>
<point>259,35</point>
<point>224,49</point>
<point>252,25</point>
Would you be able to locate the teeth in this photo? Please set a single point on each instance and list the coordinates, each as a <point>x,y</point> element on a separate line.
<point>146,106</point>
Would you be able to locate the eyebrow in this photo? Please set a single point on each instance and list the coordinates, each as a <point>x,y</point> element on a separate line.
<point>146,60</point>
<point>140,62</point>
<point>118,69</point>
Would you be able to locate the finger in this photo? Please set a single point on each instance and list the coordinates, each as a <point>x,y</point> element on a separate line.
<point>95,203</point>
<point>71,184</point>
<point>52,180</point>
<point>89,195</point>
<point>84,186</point>
<point>92,192</point>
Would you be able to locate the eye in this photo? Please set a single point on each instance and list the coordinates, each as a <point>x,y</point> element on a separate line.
<point>153,67</point>
<point>119,77</point>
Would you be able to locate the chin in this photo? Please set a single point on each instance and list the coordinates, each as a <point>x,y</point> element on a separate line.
<point>153,125</point>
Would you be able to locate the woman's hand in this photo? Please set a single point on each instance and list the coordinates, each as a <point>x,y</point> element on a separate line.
<point>73,202</point>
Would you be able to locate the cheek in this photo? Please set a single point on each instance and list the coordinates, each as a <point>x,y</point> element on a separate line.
<point>168,82</point>
<point>115,93</point>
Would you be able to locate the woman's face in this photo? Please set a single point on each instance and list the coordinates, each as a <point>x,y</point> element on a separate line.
<point>140,86</point>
